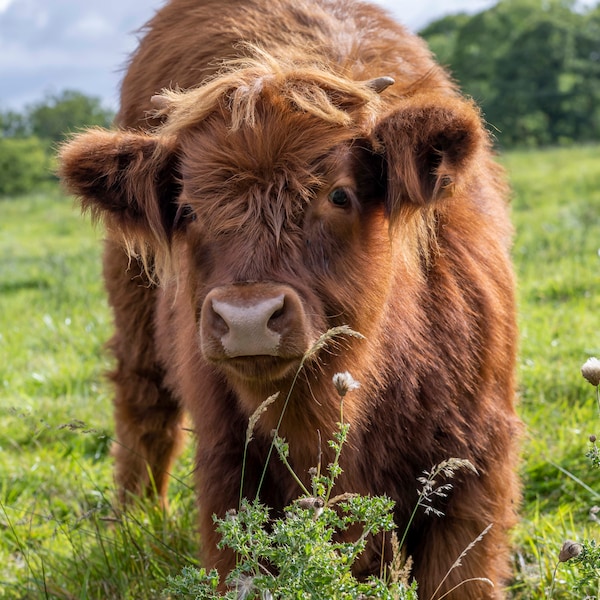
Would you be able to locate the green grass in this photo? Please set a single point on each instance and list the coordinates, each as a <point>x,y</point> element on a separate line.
<point>59,535</point>
<point>556,211</point>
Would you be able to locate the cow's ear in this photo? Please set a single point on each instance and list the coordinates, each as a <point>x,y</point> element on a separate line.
<point>427,145</point>
<point>128,180</point>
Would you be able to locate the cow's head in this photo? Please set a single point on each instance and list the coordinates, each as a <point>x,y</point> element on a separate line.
<point>284,202</point>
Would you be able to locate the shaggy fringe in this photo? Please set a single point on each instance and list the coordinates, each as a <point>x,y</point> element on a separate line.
<point>307,87</point>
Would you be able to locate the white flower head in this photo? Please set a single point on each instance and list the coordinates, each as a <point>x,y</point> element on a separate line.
<point>344,383</point>
<point>244,587</point>
<point>591,371</point>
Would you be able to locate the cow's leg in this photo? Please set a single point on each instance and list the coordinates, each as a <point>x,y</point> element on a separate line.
<point>218,479</point>
<point>147,416</point>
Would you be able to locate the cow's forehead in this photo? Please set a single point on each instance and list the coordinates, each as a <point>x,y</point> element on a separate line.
<point>292,146</point>
<point>262,178</point>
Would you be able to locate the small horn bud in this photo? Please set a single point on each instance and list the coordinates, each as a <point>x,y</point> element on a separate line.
<point>160,102</point>
<point>380,83</point>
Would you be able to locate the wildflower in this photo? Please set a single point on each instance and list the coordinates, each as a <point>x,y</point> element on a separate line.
<point>591,371</point>
<point>593,438</point>
<point>344,383</point>
<point>231,515</point>
<point>569,550</point>
<point>245,588</point>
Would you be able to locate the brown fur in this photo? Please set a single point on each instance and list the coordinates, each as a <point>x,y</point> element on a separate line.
<point>221,189</point>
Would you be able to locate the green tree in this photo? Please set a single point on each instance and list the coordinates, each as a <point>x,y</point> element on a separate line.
<point>441,36</point>
<point>13,124</point>
<point>533,65</point>
<point>583,102</point>
<point>58,115</point>
<point>27,139</point>
<point>531,79</point>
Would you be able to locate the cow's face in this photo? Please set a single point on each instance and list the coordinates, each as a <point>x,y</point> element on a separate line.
<point>278,229</point>
<point>279,239</point>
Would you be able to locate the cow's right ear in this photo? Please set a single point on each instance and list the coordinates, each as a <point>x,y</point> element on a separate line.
<point>128,180</point>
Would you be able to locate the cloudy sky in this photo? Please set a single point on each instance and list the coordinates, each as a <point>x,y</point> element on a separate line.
<point>47,46</point>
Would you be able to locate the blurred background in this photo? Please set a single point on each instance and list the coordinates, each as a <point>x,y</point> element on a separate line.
<point>532,65</point>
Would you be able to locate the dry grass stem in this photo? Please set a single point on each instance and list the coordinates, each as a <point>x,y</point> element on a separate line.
<point>458,563</point>
<point>324,339</point>
<point>254,418</point>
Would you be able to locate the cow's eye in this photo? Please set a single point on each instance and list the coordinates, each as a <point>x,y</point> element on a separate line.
<point>185,214</point>
<point>339,197</point>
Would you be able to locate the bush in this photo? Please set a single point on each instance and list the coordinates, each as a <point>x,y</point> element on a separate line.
<point>24,165</point>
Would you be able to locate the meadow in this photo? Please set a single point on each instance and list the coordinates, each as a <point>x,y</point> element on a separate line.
<point>59,535</point>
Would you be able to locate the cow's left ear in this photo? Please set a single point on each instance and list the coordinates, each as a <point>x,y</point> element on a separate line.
<point>129,180</point>
<point>427,144</point>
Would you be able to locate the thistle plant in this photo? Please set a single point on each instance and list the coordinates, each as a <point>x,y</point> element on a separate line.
<point>591,373</point>
<point>587,558</point>
<point>302,553</point>
<point>593,453</point>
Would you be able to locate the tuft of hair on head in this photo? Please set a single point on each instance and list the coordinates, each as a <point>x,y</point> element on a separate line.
<point>300,84</point>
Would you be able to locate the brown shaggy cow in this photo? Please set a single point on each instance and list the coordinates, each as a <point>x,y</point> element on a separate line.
<point>307,165</point>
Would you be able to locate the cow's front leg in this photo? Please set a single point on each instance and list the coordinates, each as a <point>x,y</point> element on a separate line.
<point>148,430</point>
<point>147,415</point>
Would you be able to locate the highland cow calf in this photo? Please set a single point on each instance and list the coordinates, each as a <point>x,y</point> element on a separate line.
<point>313,168</point>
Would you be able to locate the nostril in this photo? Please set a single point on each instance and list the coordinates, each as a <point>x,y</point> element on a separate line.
<point>276,318</point>
<point>218,324</point>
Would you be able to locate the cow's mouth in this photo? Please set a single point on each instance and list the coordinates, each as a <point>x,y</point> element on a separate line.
<point>260,369</point>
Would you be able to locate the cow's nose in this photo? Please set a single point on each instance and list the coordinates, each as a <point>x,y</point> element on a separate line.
<point>253,319</point>
<point>248,330</point>
<point>247,324</point>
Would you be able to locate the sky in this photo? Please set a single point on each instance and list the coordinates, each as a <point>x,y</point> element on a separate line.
<point>47,46</point>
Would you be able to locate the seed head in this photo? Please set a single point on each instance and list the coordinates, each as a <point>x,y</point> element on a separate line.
<point>569,550</point>
<point>231,515</point>
<point>244,586</point>
<point>315,504</point>
<point>257,414</point>
<point>591,370</point>
<point>593,438</point>
<point>344,383</point>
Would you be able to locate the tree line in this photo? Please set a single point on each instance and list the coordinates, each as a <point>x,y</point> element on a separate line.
<point>532,65</point>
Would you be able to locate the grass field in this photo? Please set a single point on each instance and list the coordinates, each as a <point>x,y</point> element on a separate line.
<point>59,536</point>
